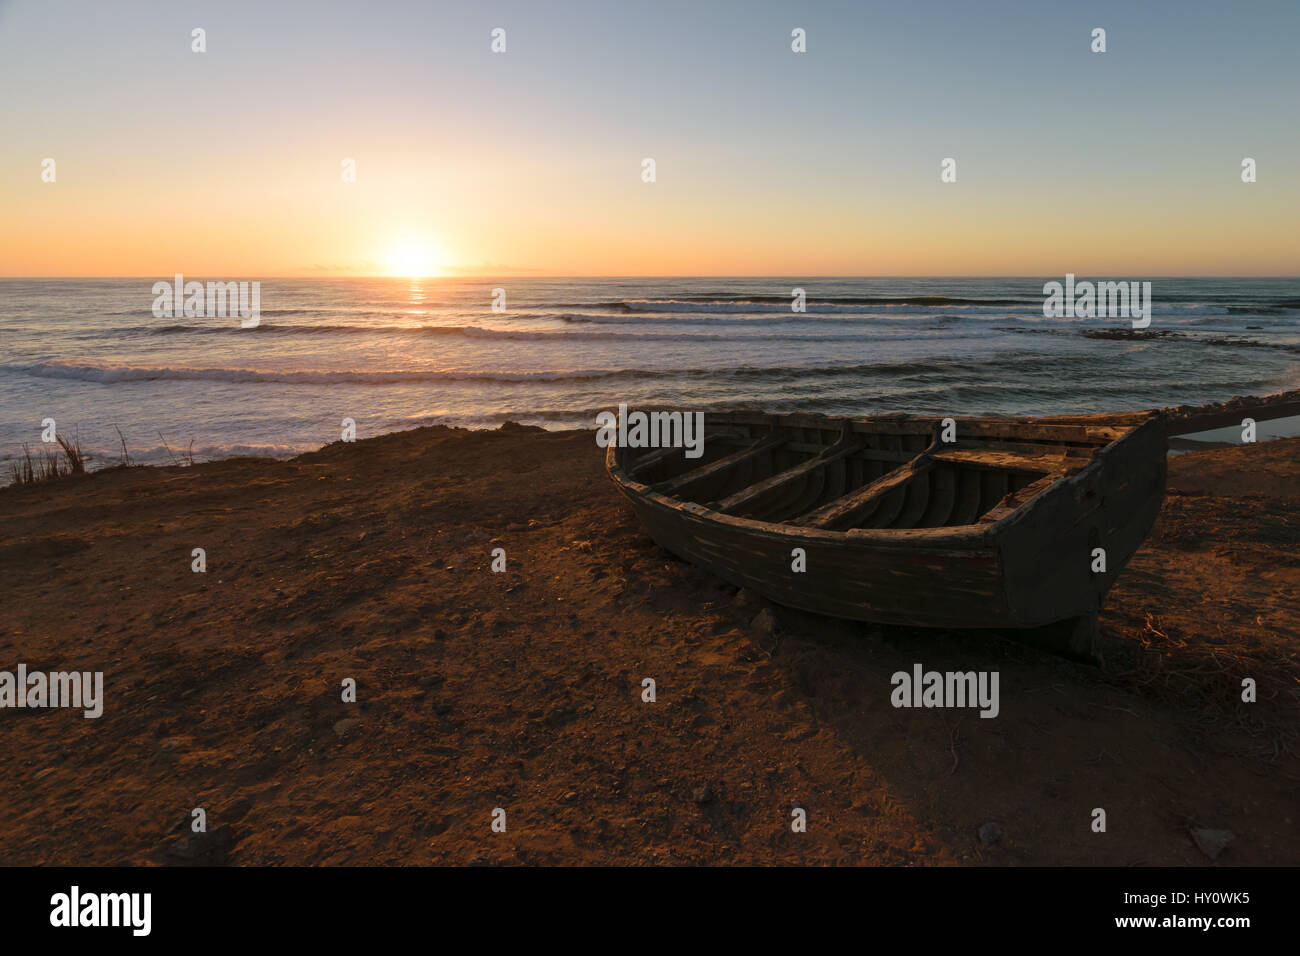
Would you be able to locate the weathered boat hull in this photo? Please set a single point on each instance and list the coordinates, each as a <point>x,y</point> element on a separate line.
<point>845,578</point>
<point>1013,567</point>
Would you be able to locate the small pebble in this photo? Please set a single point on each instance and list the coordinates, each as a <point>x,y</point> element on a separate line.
<point>1212,842</point>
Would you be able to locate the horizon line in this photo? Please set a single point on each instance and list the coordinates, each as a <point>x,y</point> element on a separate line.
<point>665,275</point>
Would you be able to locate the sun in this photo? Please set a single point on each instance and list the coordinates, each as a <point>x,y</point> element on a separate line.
<point>414,260</point>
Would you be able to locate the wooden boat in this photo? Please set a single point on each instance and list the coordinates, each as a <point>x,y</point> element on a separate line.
<point>996,529</point>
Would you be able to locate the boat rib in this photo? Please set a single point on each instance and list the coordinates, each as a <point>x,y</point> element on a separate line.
<point>747,497</point>
<point>835,515</point>
<point>677,486</point>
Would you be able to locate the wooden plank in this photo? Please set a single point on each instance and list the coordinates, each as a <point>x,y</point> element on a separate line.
<point>918,497</point>
<point>1085,430</point>
<point>997,458</point>
<point>968,500</point>
<point>832,515</point>
<point>745,496</point>
<point>649,459</point>
<point>1112,503</point>
<point>646,462</point>
<point>805,496</point>
<point>1018,499</point>
<point>1033,448</point>
<point>943,495</point>
<point>674,486</point>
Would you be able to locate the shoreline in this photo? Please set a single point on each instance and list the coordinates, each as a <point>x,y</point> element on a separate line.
<point>1219,436</point>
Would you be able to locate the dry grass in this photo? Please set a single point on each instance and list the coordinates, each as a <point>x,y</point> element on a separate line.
<point>125,461</point>
<point>185,459</point>
<point>73,455</point>
<point>48,464</point>
<point>1206,679</point>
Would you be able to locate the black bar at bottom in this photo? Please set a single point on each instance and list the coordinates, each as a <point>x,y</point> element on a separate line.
<point>624,906</point>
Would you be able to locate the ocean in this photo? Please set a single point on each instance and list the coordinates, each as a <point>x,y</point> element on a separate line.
<point>394,353</point>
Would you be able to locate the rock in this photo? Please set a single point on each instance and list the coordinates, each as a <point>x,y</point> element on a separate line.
<point>702,795</point>
<point>1212,842</point>
<point>764,623</point>
<point>990,833</point>
<point>746,599</point>
<point>343,726</point>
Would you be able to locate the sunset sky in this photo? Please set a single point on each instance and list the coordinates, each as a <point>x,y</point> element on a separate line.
<point>227,163</point>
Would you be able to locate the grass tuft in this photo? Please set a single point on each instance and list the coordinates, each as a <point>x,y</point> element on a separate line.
<point>47,464</point>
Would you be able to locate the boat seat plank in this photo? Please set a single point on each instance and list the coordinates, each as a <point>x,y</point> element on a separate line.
<point>794,498</point>
<point>674,486</point>
<point>845,446</point>
<point>1000,459</point>
<point>657,456</point>
<point>646,462</point>
<point>831,515</point>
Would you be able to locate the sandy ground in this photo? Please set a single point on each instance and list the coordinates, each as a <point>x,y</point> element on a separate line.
<point>522,690</point>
